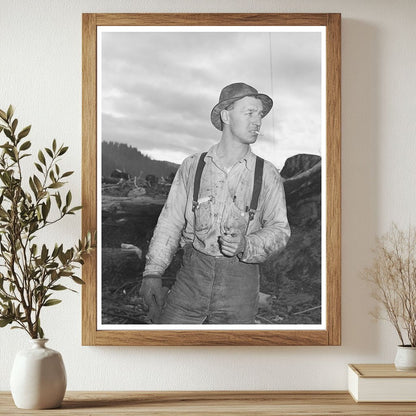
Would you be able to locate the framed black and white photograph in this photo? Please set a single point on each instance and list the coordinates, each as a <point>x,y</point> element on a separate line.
<point>211,172</point>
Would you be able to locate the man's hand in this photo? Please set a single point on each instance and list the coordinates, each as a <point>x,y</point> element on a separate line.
<point>232,242</point>
<point>151,291</point>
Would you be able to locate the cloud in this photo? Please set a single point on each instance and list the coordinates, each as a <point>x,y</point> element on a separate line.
<point>158,88</point>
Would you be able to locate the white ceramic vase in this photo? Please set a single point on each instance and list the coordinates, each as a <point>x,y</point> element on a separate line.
<point>38,378</point>
<point>405,358</point>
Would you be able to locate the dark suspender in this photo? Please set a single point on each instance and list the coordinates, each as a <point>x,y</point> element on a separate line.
<point>197,181</point>
<point>258,179</point>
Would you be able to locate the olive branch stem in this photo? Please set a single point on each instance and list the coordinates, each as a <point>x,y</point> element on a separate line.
<point>28,276</point>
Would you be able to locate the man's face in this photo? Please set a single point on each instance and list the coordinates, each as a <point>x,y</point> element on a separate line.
<point>245,119</point>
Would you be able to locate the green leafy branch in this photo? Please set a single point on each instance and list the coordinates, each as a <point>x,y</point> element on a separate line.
<point>30,275</point>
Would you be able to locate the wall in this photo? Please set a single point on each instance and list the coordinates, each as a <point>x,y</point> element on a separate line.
<point>41,75</point>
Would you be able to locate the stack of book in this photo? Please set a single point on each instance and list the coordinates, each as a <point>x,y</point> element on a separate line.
<point>381,383</point>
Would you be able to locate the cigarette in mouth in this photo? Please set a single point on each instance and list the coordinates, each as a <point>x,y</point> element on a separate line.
<point>258,133</point>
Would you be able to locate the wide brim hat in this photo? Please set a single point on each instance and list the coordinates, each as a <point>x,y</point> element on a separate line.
<point>235,92</point>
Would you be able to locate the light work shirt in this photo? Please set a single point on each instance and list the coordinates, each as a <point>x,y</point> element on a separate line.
<point>223,202</point>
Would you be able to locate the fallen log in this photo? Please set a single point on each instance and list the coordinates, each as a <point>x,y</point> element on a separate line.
<point>143,206</point>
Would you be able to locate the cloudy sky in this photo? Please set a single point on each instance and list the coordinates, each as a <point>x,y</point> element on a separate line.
<point>158,89</point>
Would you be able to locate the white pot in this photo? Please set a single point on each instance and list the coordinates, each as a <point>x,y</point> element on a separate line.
<point>405,358</point>
<point>38,378</point>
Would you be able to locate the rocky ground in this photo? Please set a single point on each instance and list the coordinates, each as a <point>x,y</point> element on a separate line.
<point>291,279</point>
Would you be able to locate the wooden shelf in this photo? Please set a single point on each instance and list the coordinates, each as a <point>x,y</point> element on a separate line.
<point>318,403</point>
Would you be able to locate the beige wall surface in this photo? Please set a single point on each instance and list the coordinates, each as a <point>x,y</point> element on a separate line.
<point>40,74</point>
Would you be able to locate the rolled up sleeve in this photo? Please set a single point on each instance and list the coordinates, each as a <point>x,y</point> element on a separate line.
<point>275,231</point>
<point>169,227</point>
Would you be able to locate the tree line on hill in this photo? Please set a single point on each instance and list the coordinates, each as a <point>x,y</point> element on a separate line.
<point>132,161</point>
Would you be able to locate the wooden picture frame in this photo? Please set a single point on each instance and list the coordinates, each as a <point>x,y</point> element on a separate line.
<point>331,333</point>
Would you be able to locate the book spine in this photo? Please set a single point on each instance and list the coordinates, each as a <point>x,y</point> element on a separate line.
<point>353,381</point>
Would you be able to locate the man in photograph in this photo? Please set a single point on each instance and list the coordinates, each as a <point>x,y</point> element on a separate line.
<point>227,209</point>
